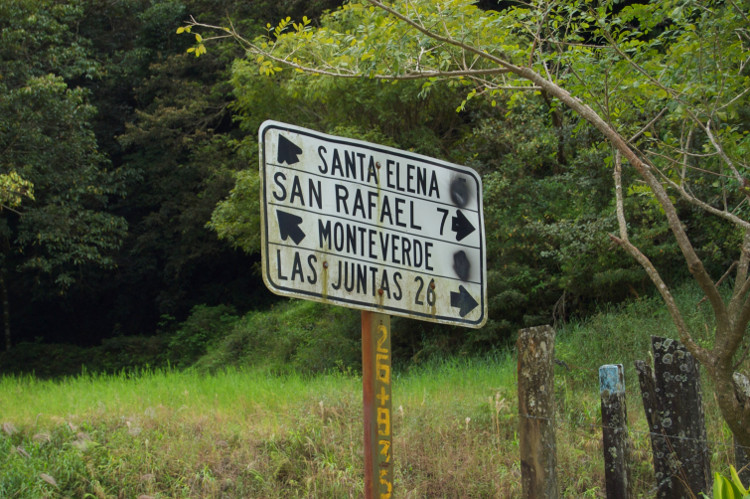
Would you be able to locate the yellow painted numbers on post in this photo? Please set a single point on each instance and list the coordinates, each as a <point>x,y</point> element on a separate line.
<point>383,400</point>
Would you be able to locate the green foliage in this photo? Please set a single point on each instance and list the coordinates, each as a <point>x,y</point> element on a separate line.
<point>548,194</point>
<point>128,145</point>
<point>113,355</point>
<point>297,336</point>
<point>13,188</point>
<point>237,218</point>
<point>726,488</point>
<point>548,215</point>
<point>617,60</point>
<point>204,327</point>
<point>165,118</point>
<point>48,144</point>
<point>548,204</point>
<point>100,101</point>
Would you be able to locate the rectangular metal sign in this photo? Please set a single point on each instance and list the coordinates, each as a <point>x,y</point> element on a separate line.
<point>371,227</point>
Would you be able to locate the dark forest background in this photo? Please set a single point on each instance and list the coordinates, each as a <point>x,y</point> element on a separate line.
<point>139,242</point>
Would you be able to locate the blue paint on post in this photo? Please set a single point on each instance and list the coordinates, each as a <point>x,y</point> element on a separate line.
<point>611,378</point>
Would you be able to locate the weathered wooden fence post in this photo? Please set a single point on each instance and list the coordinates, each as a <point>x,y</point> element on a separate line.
<point>615,431</point>
<point>674,410</point>
<point>536,407</point>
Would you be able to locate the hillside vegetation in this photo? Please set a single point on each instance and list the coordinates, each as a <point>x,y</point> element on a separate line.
<point>162,176</point>
<point>269,428</point>
<point>142,353</point>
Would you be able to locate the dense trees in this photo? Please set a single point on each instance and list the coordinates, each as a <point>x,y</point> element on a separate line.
<point>549,255</point>
<point>662,85</point>
<point>49,149</point>
<point>128,177</point>
<point>117,145</point>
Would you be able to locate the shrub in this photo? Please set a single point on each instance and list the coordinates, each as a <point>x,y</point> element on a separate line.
<point>204,326</point>
<point>293,335</point>
<point>121,353</point>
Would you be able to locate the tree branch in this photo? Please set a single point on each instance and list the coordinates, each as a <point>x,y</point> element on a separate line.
<point>724,156</point>
<point>338,73</point>
<point>619,198</point>
<point>682,330</point>
<point>741,282</point>
<point>739,305</point>
<point>648,266</point>
<point>648,125</point>
<point>447,39</point>
<point>695,265</point>
<point>721,279</point>
<point>726,215</point>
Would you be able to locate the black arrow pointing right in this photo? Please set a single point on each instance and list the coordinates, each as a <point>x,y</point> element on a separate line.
<point>461,225</point>
<point>289,226</point>
<point>463,301</point>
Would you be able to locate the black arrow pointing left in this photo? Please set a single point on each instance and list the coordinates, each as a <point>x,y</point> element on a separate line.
<point>288,152</point>
<point>463,301</point>
<point>289,226</point>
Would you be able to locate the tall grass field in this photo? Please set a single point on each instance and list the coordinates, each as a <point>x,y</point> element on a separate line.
<point>248,433</point>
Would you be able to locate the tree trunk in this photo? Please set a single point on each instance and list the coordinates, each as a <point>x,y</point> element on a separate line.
<point>742,462</point>
<point>734,405</point>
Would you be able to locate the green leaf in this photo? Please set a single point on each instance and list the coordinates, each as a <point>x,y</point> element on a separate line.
<point>726,489</point>
<point>737,482</point>
<point>719,485</point>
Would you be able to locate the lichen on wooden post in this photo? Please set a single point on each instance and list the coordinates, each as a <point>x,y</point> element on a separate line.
<point>536,406</point>
<point>674,410</point>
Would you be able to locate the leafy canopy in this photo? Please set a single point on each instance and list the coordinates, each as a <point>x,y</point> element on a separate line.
<point>664,83</point>
<point>51,171</point>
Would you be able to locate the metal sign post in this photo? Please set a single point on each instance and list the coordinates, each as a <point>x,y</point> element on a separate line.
<point>376,397</point>
<point>377,229</point>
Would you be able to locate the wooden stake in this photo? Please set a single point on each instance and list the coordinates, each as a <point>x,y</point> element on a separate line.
<point>674,410</point>
<point>615,431</point>
<point>536,406</point>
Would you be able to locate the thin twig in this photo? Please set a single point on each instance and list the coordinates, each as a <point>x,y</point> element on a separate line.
<point>656,118</point>
<point>718,283</point>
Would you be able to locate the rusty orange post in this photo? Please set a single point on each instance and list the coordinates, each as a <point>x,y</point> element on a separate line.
<point>376,397</point>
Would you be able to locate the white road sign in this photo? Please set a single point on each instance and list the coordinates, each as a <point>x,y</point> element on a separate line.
<point>371,227</point>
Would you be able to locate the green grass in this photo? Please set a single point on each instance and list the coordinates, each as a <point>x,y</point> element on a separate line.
<point>249,433</point>
<point>180,434</point>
